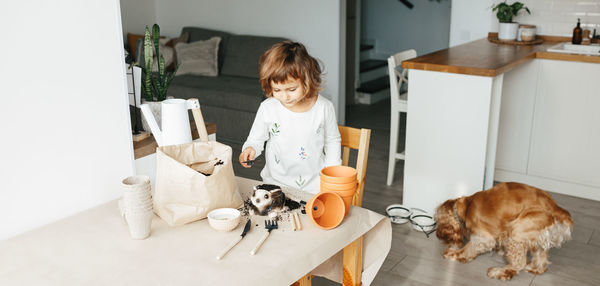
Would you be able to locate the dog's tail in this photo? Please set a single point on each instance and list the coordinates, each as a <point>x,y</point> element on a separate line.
<point>563,216</point>
<point>559,232</point>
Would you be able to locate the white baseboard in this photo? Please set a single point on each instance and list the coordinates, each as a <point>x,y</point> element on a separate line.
<point>562,187</point>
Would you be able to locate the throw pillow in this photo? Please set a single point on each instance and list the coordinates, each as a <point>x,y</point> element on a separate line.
<point>166,48</point>
<point>168,54</point>
<point>184,38</point>
<point>198,58</point>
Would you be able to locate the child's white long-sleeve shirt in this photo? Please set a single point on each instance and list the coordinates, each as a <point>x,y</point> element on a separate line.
<point>299,144</point>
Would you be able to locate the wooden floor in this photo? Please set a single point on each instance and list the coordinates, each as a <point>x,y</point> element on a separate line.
<point>416,260</point>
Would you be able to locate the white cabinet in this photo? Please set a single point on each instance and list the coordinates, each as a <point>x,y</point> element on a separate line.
<point>549,133</point>
<point>516,117</point>
<point>566,123</point>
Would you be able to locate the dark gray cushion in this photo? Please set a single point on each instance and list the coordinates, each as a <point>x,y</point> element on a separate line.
<point>243,52</point>
<point>232,125</point>
<point>236,93</point>
<point>201,34</point>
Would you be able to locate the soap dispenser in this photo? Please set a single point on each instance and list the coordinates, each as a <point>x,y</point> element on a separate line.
<point>577,34</point>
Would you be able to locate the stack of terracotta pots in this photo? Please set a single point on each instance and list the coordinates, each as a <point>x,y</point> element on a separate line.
<point>340,180</point>
<point>328,208</point>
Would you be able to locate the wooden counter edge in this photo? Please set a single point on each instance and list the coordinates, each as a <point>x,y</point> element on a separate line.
<point>408,64</point>
<point>503,69</point>
<point>568,57</point>
<point>449,69</point>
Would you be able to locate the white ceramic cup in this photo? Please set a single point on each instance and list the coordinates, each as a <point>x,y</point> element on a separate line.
<point>526,33</point>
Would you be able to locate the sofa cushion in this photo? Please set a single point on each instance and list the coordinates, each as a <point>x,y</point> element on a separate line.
<point>199,57</point>
<point>243,52</point>
<point>166,50</point>
<point>201,34</point>
<point>184,38</point>
<point>231,92</point>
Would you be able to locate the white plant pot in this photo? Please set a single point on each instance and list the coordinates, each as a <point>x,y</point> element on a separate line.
<point>508,31</point>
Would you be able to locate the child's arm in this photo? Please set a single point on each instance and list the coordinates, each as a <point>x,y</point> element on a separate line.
<point>259,133</point>
<point>332,148</point>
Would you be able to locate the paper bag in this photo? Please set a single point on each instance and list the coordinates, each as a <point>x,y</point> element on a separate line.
<point>192,179</point>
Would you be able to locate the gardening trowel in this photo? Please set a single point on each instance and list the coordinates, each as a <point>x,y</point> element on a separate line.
<point>246,229</point>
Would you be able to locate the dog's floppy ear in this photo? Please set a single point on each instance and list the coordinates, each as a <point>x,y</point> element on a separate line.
<point>448,228</point>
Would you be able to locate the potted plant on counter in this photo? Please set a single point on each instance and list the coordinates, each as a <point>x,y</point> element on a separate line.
<point>507,30</point>
<point>154,83</point>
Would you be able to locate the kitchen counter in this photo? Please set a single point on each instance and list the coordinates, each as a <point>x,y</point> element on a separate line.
<point>454,120</point>
<point>484,58</point>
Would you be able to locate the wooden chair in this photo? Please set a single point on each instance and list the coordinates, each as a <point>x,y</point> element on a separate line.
<point>399,104</point>
<point>357,139</point>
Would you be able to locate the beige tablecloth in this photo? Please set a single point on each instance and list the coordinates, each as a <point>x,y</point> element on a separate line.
<point>94,248</point>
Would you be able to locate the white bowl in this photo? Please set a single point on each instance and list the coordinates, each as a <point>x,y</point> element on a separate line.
<point>423,222</point>
<point>225,219</point>
<point>398,214</point>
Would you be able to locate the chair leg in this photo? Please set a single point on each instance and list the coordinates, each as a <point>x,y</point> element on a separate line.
<point>353,257</point>
<point>394,123</point>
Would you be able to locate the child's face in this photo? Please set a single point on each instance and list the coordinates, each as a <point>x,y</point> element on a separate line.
<point>289,93</point>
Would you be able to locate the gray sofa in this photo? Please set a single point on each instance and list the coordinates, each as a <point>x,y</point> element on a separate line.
<point>232,98</point>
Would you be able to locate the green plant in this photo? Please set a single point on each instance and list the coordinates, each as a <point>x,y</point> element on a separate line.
<point>507,12</point>
<point>155,84</point>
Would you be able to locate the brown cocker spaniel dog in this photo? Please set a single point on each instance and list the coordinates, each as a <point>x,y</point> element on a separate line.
<point>511,218</point>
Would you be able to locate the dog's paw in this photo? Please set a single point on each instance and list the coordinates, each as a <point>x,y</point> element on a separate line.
<point>500,251</point>
<point>501,273</point>
<point>450,254</point>
<point>536,269</point>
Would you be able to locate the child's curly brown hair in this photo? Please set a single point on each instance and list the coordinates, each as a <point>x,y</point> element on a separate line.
<point>286,60</point>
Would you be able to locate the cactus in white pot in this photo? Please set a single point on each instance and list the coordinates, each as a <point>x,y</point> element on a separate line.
<point>154,84</point>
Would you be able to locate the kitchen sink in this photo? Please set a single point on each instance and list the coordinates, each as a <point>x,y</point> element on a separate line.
<point>568,48</point>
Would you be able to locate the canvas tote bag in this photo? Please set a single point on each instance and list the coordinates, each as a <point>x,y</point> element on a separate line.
<point>194,178</point>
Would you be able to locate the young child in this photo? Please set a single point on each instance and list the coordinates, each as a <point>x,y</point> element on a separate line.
<point>299,125</point>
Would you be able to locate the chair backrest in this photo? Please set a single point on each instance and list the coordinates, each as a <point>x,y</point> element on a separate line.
<point>358,139</point>
<point>397,78</point>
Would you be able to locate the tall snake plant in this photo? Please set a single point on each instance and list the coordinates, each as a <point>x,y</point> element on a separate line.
<point>155,85</point>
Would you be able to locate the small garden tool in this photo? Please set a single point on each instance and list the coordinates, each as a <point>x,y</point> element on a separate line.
<point>269,225</point>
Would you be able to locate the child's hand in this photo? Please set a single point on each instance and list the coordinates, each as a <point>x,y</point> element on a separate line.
<point>247,154</point>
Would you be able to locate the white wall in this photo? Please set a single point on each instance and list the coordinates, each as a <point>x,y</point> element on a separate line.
<point>66,140</point>
<point>137,14</point>
<point>395,28</point>
<point>559,17</point>
<point>473,19</point>
<point>315,23</point>
<point>470,20</point>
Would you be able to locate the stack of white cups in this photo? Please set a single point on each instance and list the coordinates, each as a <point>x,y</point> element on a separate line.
<point>137,205</point>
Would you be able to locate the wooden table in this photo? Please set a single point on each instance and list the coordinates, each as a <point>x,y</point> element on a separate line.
<point>148,146</point>
<point>94,248</point>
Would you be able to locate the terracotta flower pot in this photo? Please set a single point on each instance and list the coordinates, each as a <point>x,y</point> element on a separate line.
<point>338,174</point>
<point>346,195</point>
<point>339,187</point>
<point>326,210</point>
